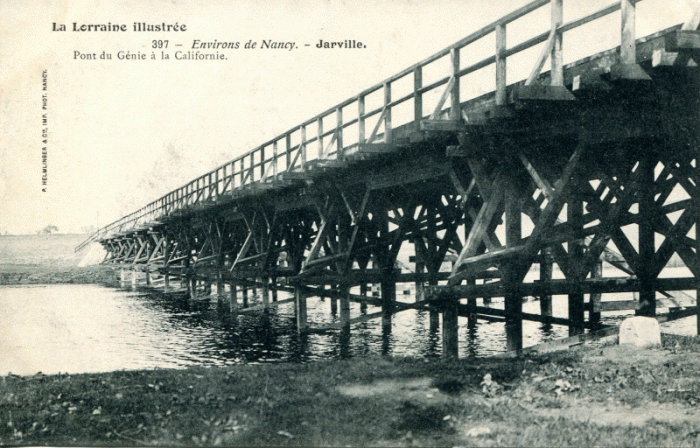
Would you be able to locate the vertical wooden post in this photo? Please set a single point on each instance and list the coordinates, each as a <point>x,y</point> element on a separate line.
<point>697,251</point>
<point>387,116</point>
<point>302,147</point>
<point>594,316</point>
<point>220,290</point>
<point>320,137</point>
<point>471,301</point>
<point>450,328</point>
<point>361,119</point>
<point>300,307</point>
<point>265,291</point>
<point>556,58</point>
<point>546,277</point>
<point>192,277</point>
<point>233,298</point>
<point>273,161</point>
<point>455,108</point>
<point>288,152</point>
<point>345,305</point>
<point>500,65</point>
<point>647,293</point>
<point>574,211</point>
<point>434,316</point>
<point>245,295</point>
<point>166,257</point>
<point>363,292</point>
<point>417,96</point>
<point>388,299</point>
<point>420,268</point>
<point>262,163</point>
<point>273,287</point>
<point>339,132</point>
<point>628,48</point>
<point>122,277</point>
<point>386,265</point>
<point>148,276</point>
<point>133,277</point>
<point>166,279</point>
<point>344,288</point>
<point>513,299</point>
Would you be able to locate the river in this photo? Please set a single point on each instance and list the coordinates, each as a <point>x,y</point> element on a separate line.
<point>91,328</point>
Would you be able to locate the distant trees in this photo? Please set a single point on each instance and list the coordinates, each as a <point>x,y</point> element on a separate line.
<point>48,230</point>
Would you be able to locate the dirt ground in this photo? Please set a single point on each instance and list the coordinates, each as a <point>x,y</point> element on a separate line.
<point>592,395</point>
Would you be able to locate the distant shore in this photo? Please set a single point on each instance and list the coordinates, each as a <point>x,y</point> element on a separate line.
<point>33,274</point>
<point>51,259</point>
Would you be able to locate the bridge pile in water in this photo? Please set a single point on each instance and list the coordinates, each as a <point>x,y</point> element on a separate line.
<point>530,190</point>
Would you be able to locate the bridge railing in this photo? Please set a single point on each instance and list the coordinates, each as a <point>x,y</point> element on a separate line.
<point>370,116</point>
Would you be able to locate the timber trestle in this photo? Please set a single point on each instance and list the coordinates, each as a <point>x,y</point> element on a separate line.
<point>578,186</point>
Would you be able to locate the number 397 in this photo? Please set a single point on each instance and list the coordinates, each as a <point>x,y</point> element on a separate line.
<point>160,44</point>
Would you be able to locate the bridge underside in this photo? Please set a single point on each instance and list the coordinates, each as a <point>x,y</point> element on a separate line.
<point>586,199</point>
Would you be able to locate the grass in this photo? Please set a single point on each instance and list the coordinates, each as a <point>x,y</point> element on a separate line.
<point>589,396</point>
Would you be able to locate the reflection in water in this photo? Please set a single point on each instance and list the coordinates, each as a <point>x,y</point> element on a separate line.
<point>88,328</point>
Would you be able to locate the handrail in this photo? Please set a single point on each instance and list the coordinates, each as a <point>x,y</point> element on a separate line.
<point>278,155</point>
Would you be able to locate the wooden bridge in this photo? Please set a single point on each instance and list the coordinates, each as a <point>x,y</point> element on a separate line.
<point>577,184</point>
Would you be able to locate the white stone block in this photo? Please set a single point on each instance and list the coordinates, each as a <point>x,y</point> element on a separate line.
<point>640,331</point>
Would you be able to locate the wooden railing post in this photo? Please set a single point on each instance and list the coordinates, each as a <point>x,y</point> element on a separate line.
<point>557,71</point>
<point>234,173</point>
<point>628,47</point>
<point>455,108</point>
<point>302,148</point>
<point>320,137</point>
<point>387,115</point>
<point>361,119</point>
<point>500,65</point>
<point>252,164</point>
<point>417,96</point>
<point>288,150</point>
<point>339,133</point>
<point>262,163</point>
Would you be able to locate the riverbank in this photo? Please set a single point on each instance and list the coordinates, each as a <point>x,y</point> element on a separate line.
<point>51,259</point>
<point>33,274</point>
<point>603,395</point>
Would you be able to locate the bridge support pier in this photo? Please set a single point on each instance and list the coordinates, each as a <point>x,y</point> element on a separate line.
<point>233,297</point>
<point>471,301</point>
<point>546,276</point>
<point>166,280</point>
<point>576,308</point>
<point>388,299</point>
<point>595,299</point>
<point>345,305</point>
<point>697,251</point>
<point>363,292</point>
<point>450,327</point>
<point>300,308</point>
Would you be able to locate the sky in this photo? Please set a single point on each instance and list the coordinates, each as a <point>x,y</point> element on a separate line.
<point>121,133</point>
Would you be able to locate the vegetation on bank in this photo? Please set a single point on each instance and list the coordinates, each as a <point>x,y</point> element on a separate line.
<point>594,395</point>
<point>48,275</point>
